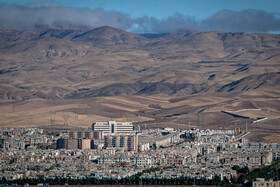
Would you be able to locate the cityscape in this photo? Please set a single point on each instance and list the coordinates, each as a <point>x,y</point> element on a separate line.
<point>118,150</point>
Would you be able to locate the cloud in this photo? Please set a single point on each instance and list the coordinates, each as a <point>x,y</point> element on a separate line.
<point>170,24</point>
<point>30,16</point>
<point>225,20</point>
<point>247,21</point>
<point>21,17</point>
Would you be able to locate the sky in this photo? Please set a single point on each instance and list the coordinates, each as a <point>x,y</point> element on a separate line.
<point>144,16</point>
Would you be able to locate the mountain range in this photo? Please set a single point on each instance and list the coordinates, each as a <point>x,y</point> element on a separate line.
<point>159,79</point>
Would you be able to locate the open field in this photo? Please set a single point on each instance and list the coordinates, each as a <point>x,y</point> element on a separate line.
<point>152,111</point>
<point>268,138</point>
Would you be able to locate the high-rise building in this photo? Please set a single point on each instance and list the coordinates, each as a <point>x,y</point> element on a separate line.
<point>6,143</point>
<point>129,142</point>
<point>85,134</point>
<point>84,143</point>
<point>61,144</point>
<point>97,135</point>
<point>67,144</point>
<point>113,127</point>
<point>72,144</point>
<point>73,134</point>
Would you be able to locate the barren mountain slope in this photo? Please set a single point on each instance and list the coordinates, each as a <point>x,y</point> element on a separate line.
<point>163,79</point>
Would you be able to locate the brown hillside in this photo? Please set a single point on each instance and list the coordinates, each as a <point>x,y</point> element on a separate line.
<point>158,79</point>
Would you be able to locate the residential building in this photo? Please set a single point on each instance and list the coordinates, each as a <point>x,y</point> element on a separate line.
<point>129,142</point>
<point>84,143</point>
<point>85,134</point>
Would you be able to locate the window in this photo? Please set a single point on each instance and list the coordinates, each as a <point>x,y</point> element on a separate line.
<point>113,128</point>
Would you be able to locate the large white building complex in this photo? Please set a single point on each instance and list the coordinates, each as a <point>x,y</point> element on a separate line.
<point>113,127</point>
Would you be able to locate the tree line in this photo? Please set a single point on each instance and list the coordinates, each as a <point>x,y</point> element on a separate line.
<point>133,180</point>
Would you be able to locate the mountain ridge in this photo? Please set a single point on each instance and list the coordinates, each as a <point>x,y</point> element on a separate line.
<point>83,64</point>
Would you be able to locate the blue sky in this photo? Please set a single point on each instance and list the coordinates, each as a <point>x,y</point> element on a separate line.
<point>163,8</point>
<point>145,15</point>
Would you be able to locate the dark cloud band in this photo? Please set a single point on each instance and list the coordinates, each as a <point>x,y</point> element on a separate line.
<point>22,17</point>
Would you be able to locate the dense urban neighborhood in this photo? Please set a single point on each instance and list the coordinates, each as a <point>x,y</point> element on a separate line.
<point>119,150</point>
